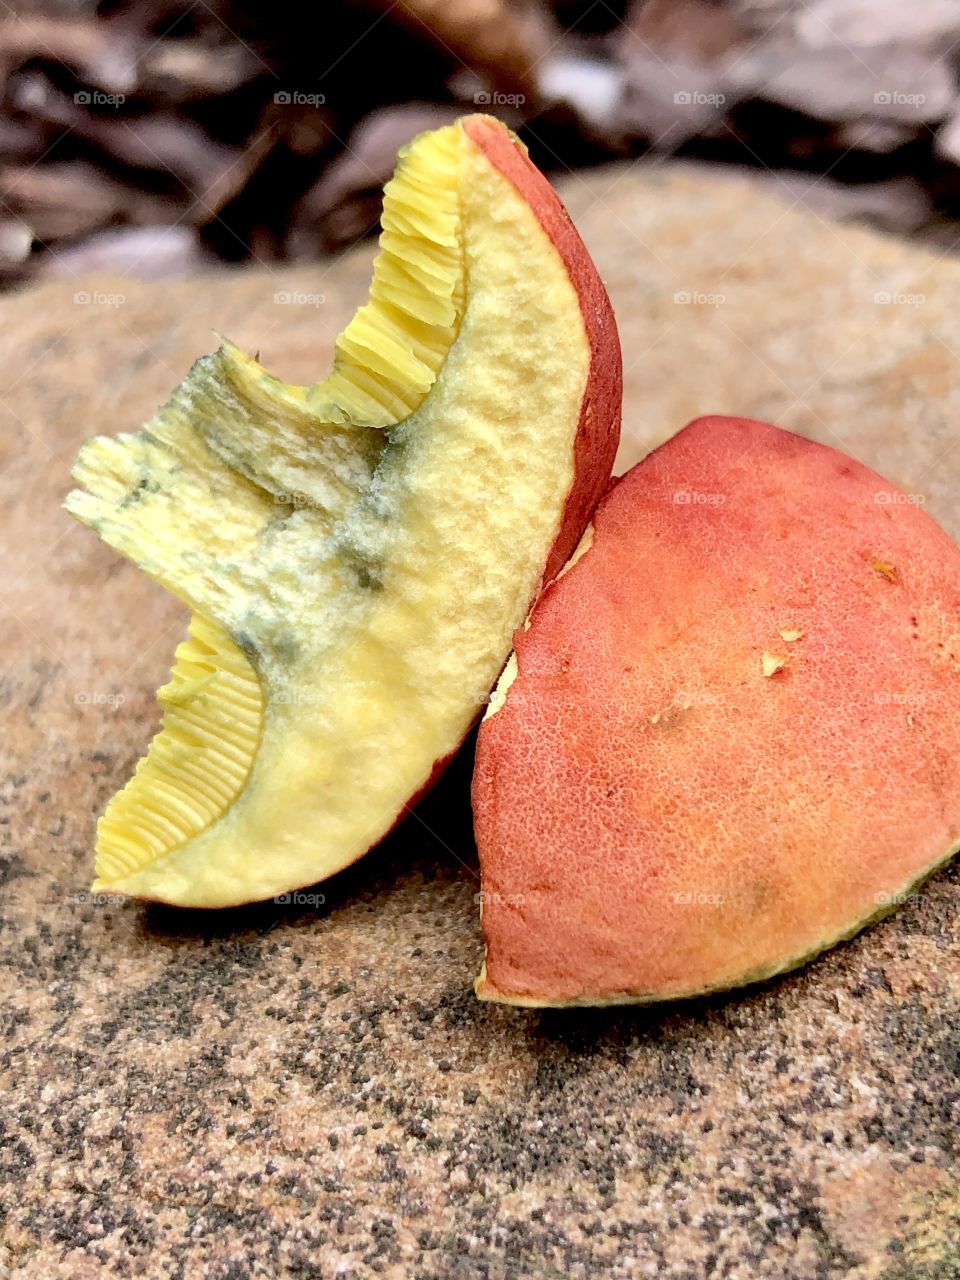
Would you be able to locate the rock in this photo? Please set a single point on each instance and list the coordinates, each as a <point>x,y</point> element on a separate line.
<point>173,1079</point>
<point>152,253</point>
<point>15,241</point>
<point>840,83</point>
<point>676,58</point>
<point>947,141</point>
<point>592,87</point>
<point>882,137</point>
<point>931,23</point>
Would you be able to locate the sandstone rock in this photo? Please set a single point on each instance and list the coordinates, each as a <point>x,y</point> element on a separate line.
<point>277,1089</point>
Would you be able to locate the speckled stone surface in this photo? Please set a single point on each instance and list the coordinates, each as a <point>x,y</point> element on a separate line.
<point>313,1091</point>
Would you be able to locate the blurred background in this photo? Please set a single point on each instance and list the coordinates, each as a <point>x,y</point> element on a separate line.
<point>163,137</point>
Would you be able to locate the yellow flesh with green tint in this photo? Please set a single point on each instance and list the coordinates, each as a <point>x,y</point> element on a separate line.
<point>357,554</point>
